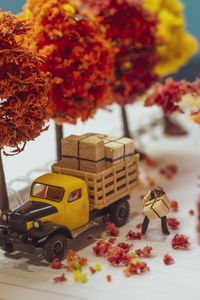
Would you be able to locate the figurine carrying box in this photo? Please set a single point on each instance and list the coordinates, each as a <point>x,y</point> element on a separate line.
<point>156,205</point>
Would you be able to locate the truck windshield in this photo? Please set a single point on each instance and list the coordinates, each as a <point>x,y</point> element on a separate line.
<point>45,191</point>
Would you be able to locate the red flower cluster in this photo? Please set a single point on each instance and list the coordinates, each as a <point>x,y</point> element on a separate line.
<point>136,268</point>
<point>145,252</point>
<point>191,212</point>
<point>118,256</point>
<point>139,225</point>
<point>134,235</point>
<point>125,246</point>
<point>112,240</point>
<point>111,229</point>
<point>115,254</point>
<point>168,259</point>
<point>92,270</point>
<point>78,59</point>
<point>101,248</point>
<point>74,260</point>
<point>56,264</point>
<point>180,241</point>
<point>174,206</point>
<point>23,88</point>
<point>133,31</point>
<point>173,223</point>
<point>169,171</point>
<point>169,95</point>
<point>109,278</point>
<point>60,278</point>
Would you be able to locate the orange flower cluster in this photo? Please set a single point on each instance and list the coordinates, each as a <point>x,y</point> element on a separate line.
<point>23,88</point>
<point>78,58</point>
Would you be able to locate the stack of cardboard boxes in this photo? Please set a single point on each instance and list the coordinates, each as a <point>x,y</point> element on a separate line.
<point>94,152</point>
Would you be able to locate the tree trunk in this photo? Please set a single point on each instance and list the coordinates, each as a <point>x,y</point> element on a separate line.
<point>59,136</point>
<point>127,131</point>
<point>125,122</point>
<point>173,128</point>
<point>4,204</point>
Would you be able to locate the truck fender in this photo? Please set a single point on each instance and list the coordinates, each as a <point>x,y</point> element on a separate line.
<point>49,229</point>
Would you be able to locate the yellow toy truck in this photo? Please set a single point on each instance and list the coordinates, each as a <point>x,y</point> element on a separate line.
<point>64,203</point>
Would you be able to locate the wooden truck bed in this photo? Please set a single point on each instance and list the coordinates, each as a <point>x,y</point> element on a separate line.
<point>108,186</point>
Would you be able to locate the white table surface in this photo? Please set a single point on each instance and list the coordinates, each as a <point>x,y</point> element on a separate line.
<point>24,276</point>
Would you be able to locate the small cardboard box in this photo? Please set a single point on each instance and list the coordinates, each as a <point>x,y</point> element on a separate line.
<point>85,152</point>
<point>71,145</point>
<point>92,166</point>
<point>83,165</point>
<point>117,149</point>
<point>92,148</point>
<point>70,163</point>
<point>157,208</point>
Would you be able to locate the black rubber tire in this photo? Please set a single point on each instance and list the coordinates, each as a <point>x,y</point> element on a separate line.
<point>119,212</point>
<point>55,247</point>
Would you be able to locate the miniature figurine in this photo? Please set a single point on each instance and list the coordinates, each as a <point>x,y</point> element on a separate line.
<point>156,205</point>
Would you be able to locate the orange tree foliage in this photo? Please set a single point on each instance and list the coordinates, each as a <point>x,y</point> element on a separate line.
<point>23,89</point>
<point>77,56</point>
<point>133,31</point>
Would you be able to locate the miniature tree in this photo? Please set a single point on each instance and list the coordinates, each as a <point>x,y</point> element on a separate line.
<point>78,59</point>
<point>169,95</point>
<point>23,92</point>
<point>177,45</point>
<point>133,32</point>
<point>174,45</point>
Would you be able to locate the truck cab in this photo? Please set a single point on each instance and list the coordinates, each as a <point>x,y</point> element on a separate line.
<point>67,194</point>
<point>57,204</point>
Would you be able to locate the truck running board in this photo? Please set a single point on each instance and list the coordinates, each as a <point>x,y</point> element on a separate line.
<point>79,230</point>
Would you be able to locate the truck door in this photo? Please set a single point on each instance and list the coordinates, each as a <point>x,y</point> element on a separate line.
<point>77,208</point>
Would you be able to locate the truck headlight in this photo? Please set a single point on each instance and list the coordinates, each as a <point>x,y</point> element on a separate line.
<point>5,217</point>
<point>37,224</point>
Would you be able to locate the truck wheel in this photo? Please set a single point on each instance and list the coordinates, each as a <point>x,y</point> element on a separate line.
<point>119,212</point>
<point>55,247</point>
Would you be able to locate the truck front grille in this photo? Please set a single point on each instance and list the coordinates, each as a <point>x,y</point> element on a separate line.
<point>17,223</point>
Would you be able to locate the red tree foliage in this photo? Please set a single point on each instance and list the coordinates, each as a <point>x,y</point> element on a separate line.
<point>132,29</point>
<point>169,95</point>
<point>78,59</point>
<point>23,88</point>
